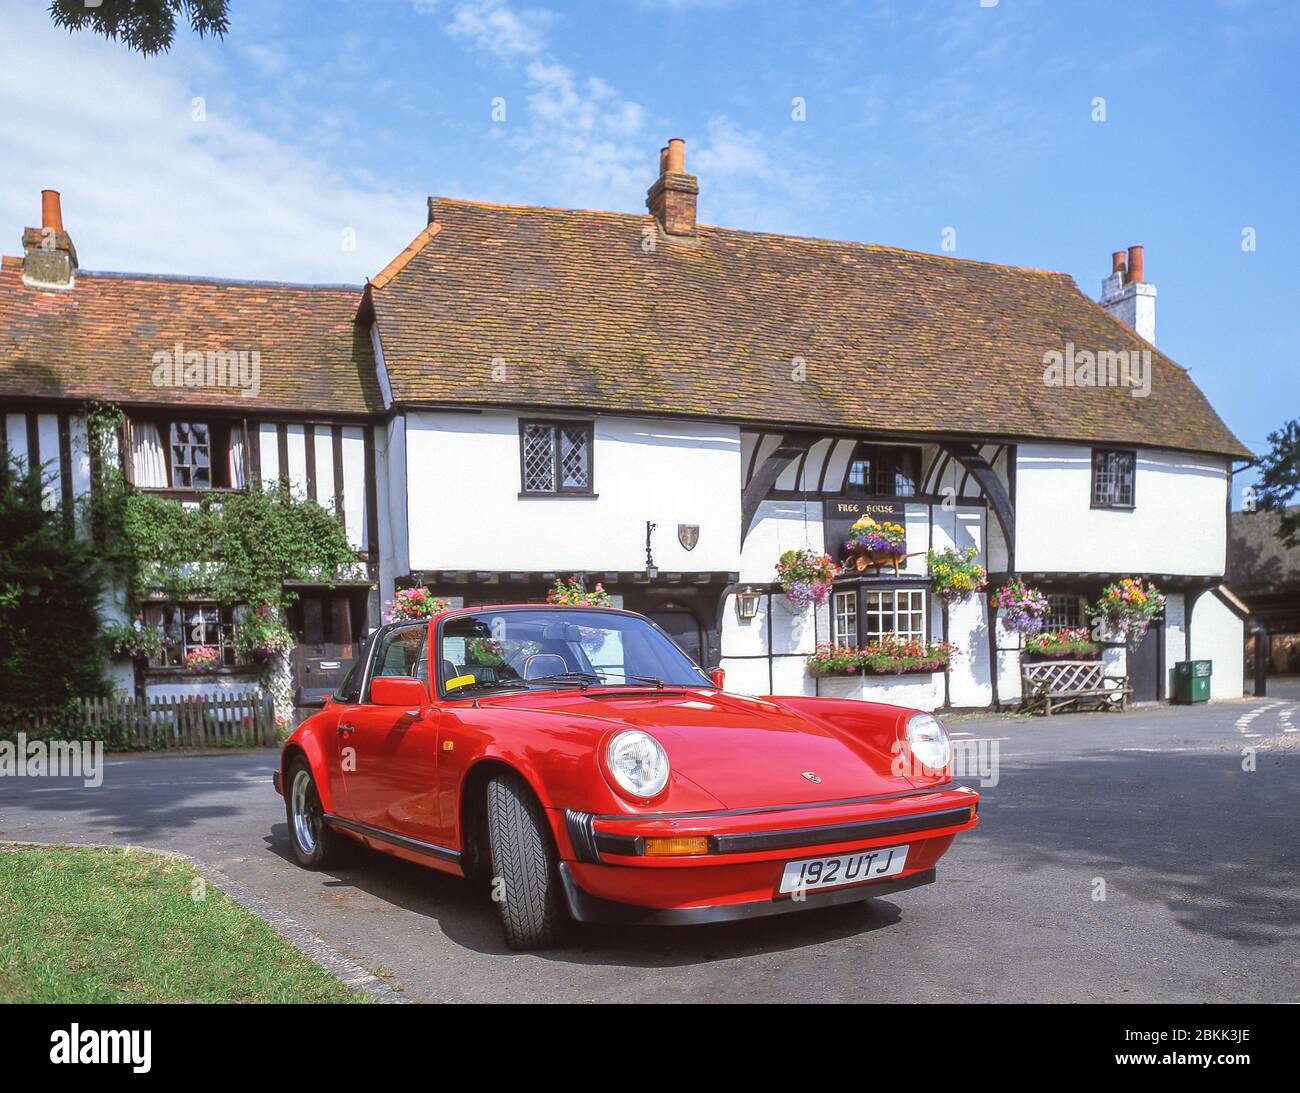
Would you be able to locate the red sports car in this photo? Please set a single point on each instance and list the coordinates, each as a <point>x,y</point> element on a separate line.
<point>577,763</point>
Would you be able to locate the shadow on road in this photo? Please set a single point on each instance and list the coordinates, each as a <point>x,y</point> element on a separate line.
<point>1193,831</point>
<point>465,914</point>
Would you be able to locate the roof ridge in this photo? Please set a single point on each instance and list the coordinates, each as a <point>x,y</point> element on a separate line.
<point>193,279</point>
<point>380,279</point>
<point>789,237</point>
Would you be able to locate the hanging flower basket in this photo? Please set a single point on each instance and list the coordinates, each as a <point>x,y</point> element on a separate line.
<point>1129,607</point>
<point>412,605</point>
<point>806,576</point>
<point>1023,607</point>
<point>133,639</point>
<point>955,574</point>
<point>262,637</point>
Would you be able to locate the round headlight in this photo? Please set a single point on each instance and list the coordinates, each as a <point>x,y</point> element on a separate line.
<point>929,741</point>
<point>638,763</point>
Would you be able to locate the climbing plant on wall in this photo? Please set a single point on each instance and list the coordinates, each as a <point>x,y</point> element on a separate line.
<point>238,546</point>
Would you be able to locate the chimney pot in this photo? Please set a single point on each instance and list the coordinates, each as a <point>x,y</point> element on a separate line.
<point>51,213</point>
<point>676,156</point>
<point>672,198</point>
<point>1134,274</point>
<point>1117,261</point>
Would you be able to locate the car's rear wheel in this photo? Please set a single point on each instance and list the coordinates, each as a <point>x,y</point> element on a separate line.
<point>315,844</point>
<point>525,875</point>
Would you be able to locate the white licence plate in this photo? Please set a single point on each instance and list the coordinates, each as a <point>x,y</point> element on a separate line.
<point>840,869</point>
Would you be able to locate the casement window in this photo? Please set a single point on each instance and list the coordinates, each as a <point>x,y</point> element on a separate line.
<point>189,626</point>
<point>187,454</point>
<point>555,457</point>
<point>844,618</point>
<point>883,471</point>
<point>1113,474</point>
<point>1065,611</point>
<point>865,614</point>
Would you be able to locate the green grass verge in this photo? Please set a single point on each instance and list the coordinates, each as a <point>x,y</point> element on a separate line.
<point>105,925</point>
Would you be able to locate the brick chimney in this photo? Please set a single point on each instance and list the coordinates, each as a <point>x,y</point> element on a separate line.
<point>49,258</point>
<point>1127,296</point>
<point>672,198</point>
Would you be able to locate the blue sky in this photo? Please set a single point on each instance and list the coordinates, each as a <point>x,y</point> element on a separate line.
<point>326,121</point>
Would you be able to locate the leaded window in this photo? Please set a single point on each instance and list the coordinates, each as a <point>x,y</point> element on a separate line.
<point>1113,475</point>
<point>555,457</point>
<point>191,455</point>
<point>1065,611</point>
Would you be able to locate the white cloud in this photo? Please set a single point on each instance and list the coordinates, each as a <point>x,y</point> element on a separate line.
<point>497,27</point>
<point>148,188</point>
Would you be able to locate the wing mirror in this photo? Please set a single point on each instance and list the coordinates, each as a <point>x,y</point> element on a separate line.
<point>719,677</point>
<point>398,691</point>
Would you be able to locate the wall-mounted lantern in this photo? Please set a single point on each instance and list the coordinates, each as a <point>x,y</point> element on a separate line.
<point>747,603</point>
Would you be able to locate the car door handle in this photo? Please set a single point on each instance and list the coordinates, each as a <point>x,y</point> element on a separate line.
<point>346,729</point>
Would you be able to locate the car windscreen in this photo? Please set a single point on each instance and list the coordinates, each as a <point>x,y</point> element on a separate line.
<point>519,648</point>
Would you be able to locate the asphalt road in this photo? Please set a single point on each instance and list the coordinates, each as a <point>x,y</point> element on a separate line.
<point>1200,860</point>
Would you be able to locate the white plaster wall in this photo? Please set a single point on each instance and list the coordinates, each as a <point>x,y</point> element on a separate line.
<point>969,677</point>
<point>922,692</point>
<point>779,526</point>
<point>465,511</point>
<point>1219,635</point>
<point>1177,526</point>
<point>390,472</point>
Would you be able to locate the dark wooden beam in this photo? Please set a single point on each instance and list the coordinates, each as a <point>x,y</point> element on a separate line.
<point>792,446</point>
<point>979,468</point>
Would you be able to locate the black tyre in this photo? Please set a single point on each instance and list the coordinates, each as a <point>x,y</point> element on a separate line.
<point>315,844</point>
<point>525,878</point>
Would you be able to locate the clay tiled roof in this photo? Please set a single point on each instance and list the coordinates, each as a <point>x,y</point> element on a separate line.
<point>98,340</point>
<point>584,317</point>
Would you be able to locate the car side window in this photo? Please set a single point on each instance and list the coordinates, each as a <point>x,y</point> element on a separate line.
<point>401,652</point>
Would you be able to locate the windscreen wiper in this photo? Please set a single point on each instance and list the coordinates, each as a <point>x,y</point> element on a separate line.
<point>487,683</point>
<point>582,679</point>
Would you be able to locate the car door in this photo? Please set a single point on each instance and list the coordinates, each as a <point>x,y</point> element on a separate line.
<point>389,754</point>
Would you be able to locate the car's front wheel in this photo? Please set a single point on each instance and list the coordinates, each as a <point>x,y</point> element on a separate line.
<point>525,876</point>
<point>315,845</point>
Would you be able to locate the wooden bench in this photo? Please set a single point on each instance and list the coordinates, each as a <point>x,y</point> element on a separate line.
<point>1052,685</point>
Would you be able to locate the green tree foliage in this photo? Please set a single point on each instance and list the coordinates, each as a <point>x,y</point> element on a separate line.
<point>144,25</point>
<point>1279,480</point>
<point>50,582</point>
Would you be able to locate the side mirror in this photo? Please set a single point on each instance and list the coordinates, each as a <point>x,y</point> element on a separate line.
<point>719,677</point>
<point>398,691</point>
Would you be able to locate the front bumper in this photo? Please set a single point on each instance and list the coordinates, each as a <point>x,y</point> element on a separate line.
<point>584,907</point>
<point>608,877</point>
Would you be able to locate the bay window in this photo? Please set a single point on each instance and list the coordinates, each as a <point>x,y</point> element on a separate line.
<point>864,613</point>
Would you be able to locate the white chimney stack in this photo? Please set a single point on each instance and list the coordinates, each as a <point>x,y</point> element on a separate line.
<point>1127,296</point>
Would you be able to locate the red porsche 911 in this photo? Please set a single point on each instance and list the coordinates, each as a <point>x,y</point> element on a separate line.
<point>575,761</point>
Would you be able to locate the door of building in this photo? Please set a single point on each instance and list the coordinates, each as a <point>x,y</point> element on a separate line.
<point>1146,667</point>
<point>325,624</point>
<point>684,628</point>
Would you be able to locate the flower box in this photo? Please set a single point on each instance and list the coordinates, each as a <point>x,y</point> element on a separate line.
<point>919,690</point>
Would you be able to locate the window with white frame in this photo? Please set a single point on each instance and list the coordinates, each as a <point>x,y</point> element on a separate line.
<point>899,611</point>
<point>844,618</point>
<point>555,457</point>
<point>1065,611</point>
